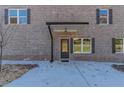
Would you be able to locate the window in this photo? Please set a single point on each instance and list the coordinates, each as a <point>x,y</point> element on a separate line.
<point>22,16</point>
<point>119,45</point>
<point>82,45</point>
<point>103,16</point>
<point>86,45</point>
<point>77,45</point>
<point>13,16</point>
<point>17,16</point>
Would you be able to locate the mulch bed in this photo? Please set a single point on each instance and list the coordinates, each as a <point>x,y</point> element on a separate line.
<point>118,67</point>
<point>11,72</point>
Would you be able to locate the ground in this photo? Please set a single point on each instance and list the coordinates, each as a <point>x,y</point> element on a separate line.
<point>70,74</point>
<point>10,72</point>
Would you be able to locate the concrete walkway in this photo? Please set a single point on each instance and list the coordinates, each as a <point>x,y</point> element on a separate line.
<point>70,74</point>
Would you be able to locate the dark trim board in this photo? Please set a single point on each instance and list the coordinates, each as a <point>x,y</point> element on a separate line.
<point>60,23</point>
<point>66,23</point>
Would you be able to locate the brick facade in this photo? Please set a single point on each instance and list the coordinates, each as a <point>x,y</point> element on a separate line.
<point>32,41</point>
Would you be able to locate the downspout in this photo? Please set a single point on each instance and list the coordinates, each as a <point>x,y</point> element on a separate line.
<point>51,36</point>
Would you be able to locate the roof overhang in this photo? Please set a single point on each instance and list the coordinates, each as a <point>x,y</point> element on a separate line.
<point>67,23</point>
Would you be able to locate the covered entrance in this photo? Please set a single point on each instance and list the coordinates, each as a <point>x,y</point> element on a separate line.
<point>65,46</point>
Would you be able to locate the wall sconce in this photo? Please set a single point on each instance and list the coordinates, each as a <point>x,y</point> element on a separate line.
<point>65,30</point>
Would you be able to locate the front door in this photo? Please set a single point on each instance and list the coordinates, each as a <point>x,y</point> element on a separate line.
<point>64,49</point>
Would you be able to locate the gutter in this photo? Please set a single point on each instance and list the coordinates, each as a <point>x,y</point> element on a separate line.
<point>51,60</point>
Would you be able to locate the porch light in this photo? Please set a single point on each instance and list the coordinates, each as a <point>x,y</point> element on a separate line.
<point>65,30</point>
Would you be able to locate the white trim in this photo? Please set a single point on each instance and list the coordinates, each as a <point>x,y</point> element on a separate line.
<point>123,45</point>
<point>107,17</point>
<point>62,30</point>
<point>17,15</point>
<point>82,52</point>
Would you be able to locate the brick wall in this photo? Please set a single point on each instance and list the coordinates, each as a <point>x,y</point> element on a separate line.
<point>34,39</point>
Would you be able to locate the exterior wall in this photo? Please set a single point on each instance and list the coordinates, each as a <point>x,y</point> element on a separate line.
<point>32,41</point>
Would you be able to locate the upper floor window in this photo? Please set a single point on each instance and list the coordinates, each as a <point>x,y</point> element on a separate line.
<point>104,16</point>
<point>17,16</point>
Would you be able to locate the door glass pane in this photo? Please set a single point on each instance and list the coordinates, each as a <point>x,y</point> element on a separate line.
<point>77,45</point>
<point>64,45</point>
<point>119,45</point>
<point>86,45</point>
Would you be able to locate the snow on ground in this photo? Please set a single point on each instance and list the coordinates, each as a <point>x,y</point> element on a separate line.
<point>69,74</point>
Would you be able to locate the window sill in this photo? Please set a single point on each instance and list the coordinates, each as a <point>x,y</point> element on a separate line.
<point>119,52</point>
<point>104,24</point>
<point>17,24</point>
<point>82,53</point>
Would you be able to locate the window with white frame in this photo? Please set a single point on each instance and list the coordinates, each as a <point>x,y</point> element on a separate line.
<point>119,45</point>
<point>17,16</point>
<point>77,45</point>
<point>104,16</point>
<point>82,45</point>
